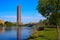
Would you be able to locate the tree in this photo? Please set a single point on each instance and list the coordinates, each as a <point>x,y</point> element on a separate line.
<point>50,9</point>
<point>8,24</point>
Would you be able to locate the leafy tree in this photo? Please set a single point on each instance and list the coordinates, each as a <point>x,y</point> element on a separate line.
<point>8,24</point>
<point>50,9</point>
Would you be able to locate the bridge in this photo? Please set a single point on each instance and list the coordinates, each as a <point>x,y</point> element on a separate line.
<point>28,25</point>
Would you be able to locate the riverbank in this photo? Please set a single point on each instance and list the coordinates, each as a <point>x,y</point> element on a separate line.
<point>46,34</point>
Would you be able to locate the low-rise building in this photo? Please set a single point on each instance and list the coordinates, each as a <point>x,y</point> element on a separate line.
<point>1,22</point>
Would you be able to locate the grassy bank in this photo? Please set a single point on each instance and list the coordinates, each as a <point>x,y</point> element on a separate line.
<point>46,34</point>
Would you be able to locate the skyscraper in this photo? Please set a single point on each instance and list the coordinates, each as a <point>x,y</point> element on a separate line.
<point>18,14</point>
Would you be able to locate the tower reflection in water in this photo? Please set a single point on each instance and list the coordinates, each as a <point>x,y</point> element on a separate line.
<point>19,33</point>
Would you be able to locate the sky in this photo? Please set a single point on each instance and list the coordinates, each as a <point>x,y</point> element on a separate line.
<point>8,10</point>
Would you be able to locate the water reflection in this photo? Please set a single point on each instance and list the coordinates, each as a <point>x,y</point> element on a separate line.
<point>18,32</point>
<point>1,29</point>
<point>8,29</point>
<point>23,32</point>
<point>14,33</point>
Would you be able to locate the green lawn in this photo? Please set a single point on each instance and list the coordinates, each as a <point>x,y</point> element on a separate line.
<point>46,34</point>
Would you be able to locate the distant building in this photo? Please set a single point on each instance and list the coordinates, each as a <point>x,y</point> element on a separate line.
<point>1,22</point>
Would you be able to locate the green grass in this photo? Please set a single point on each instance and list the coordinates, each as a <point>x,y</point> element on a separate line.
<point>46,34</point>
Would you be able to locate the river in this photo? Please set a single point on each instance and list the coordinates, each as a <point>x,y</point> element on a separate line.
<point>10,33</point>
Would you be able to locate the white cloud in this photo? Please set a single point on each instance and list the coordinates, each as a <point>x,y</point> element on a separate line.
<point>25,17</point>
<point>10,16</point>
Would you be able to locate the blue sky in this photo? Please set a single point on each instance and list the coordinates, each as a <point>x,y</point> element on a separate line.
<point>8,10</point>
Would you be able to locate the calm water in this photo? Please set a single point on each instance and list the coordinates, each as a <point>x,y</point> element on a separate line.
<point>11,33</point>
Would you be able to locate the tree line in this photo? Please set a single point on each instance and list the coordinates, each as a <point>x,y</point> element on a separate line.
<point>8,24</point>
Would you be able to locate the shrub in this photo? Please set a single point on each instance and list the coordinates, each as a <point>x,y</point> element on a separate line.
<point>51,26</point>
<point>40,28</point>
<point>1,24</point>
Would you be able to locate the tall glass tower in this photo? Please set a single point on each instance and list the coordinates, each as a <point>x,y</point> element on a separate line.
<point>18,14</point>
